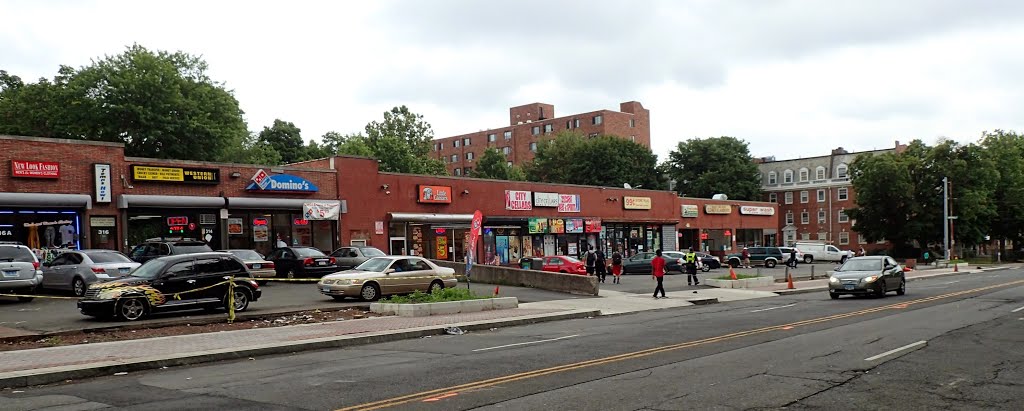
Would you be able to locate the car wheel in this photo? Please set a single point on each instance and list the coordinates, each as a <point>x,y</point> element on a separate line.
<point>769,263</point>
<point>241,299</point>
<point>833,295</point>
<point>370,292</point>
<point>26,299</point>
<point>808,259</point>
<point>78,287</point>
<point>881,289</point>
<point>338,298</point>
<point>131,309</point>
<point>903,287</point>
<point>705,268</point>
<point>435,286</point>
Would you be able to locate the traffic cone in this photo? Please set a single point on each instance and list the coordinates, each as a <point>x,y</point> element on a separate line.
<point>955,268</point>
<point>496,290</point>
<point>732,273</point>
<point>789,280</point>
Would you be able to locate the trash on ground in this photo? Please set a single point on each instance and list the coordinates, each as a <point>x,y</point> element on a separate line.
<point>453,331</point>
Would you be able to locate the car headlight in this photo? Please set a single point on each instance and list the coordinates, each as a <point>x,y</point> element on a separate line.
<point>870,279</point>
<point>326,282</point>
<point>355,281</point>
<point>833,280</point>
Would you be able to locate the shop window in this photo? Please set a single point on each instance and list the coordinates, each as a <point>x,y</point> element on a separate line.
<point>844,238</point>
<point>842,194</point>
<point>805,218</point>
<point>821,195</point>
<point>803,197</point>
<point>789,197</point>
<point>773,178</point>
<point>773,197</point>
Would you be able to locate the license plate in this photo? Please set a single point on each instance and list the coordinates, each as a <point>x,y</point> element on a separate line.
<point>13,274</point>
<point>256,266</point>
<point>321,263</point>
<point>327,288</point>
<point>848,286</point>
<point>124,270</point>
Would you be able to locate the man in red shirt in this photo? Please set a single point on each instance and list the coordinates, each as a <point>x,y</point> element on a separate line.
<point>658,273</point>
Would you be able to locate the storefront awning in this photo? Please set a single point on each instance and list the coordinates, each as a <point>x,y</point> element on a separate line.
<point>431,218</point>
<point>132,200</point>
<point>275,203</point>
<point>45,200</point>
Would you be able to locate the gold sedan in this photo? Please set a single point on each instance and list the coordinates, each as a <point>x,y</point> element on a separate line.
<point>387,275</point>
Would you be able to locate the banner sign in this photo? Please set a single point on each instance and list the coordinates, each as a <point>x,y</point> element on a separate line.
<point>545,199</point>
<point>538,225</point>
<point>101,181</point>
<point>35,169</point>
<point>757,210</point>
<point>261,182</point>
<point>717,209</point>
<point>568,203</point>
<point>690,210</point>
<point>593,225</point>
<point>474,234</point>
<point>636,203</point>
<point>557,226</point>
<point>518,200</point>
<point>434,194</point>
<point>574,225</point>
<point>190,175</point>
<point>321,211</point>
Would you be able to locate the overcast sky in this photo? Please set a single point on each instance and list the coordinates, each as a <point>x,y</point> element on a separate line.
<point>792,78</point>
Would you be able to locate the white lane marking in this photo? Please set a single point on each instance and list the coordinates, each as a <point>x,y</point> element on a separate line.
<point>526,343</point>
<point>773,308</point>
<point>1021,308</point>
<point>890,352</point>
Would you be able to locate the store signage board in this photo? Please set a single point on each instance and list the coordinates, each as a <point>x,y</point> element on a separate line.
<point>557,226</point>
<point>378,227</point>
<point>545,199</point>
<point>101,180</point>
<point>35,169</point>
<point>538,225</point>
<point>568,203</point>
<point>574,225</point>
<point>188,175</point>
<point>235,226</point>
<point>717,209</point>
<point>177,220</point>
<point>96,221</point>
<point>593,225</point>
<point>259,221</point>
<point>757,210</point>
<point>690,211</point>
<point>518,200</point>
<point>434,194</point>
<point>321,211</point>
<point>636,203</point>
<point>261,182</point>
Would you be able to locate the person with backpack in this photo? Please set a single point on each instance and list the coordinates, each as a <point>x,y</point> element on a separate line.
<point>616,267</point>
<point>600,266</point>
<point>591,260</point>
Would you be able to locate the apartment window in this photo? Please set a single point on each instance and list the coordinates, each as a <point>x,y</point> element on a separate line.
<point>819,173</point>
<point>592,135</point>
<point>789,218</point>
<point>821,195</point>
<point>533,147</point>
<point>535,130</point>
<point>789,197</point>
<point>597,120</point>
<point>435,146</point>
<point>843,218</point>
<point>568,124</point>
<point>790,237</point>
<point>804,197</point>
<point>469,156</point>
<point>844,238</point>
<point>632,138</point>
<point>805,174</point>
<point>548,128</point>
<point>507,150</point>
<point>841,171</point>
<point>455,143</point>
<point>787,177</point>
<point>508,135</point>
<point>465,141</point>
<point>805,217</point>
<point>843,194</point>
<point>491,138</point>
<point>822,236</point>
<point>632,123</point>
<point>861,239</point>
<point>773,178</point>
<point>576,123</point>
<point>805,236</point>
<point>773,197</point>
<point>821,216</point>
<point>467,171</point>
<point>458,171</point>
<point>455,157</point>
<point>508,163</point>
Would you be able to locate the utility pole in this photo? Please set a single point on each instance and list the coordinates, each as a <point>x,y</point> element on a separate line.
<point>945,217</point>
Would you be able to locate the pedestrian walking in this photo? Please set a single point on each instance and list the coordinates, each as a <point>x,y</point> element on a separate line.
<point>792,258</point>
<point>591,260</point>
<point>862,252</point>
<point>600,266</point>
<point>691,268</point>
<point>617,267</point>
<point>746,258</point>
<point>658,273</point>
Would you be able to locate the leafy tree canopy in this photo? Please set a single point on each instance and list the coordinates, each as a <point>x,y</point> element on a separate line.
<point>601,161</point>
<point>402,143</point>
<point>285,138</point>
<point>493,165</point>
<point>718,165</point>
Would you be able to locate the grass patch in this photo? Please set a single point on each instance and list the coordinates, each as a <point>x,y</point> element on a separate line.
<point>738,277</point>
<point>445,295</point>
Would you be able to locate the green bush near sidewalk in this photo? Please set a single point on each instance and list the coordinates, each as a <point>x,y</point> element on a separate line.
<point>445,295</point>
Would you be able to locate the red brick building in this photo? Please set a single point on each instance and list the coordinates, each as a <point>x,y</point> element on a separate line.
<point>112,201</point>
<point>530,123</point>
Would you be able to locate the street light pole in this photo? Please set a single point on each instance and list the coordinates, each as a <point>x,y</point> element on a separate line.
<point>945,217</point>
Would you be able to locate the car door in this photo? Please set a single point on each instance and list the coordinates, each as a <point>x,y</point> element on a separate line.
<point>416,275</point>
<point>178,278</point>
<point>138,253</point>
<point>892,274</point>
<point>282,261</point>
<point>640,263</point>
<point>345,257</point>
<point>54,272</point>
<point>73,267</point>
<point>210,272</point>
<point>833,253</point>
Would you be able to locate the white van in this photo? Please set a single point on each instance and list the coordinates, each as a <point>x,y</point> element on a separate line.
<point>821,252</point>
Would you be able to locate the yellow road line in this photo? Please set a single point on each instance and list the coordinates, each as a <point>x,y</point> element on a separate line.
<point>405,399</point>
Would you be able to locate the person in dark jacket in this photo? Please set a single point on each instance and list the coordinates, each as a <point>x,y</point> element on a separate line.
<point>617,267</point>
<point>600,266</point>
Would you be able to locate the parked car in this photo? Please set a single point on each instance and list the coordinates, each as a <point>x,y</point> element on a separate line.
<point>387,275</point>
<point>768,256</point>
<point>821,252</point>
<point>19,270</point>
<point>151,287</point>
<point>77,269</point>
<point>709,262</point>
<point>257,264</point>
<point>302,262</point>
<point>875,275</point>
<point>676,259</point>
<point>641,262</point>
<point>787,251</point>
<point>563,264</point>
<point>158,247</point>
<point>350,257</point>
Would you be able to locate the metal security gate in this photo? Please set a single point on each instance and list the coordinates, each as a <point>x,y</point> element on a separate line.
<point>668,238</point>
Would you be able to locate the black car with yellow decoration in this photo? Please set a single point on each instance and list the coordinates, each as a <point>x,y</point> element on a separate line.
<point>173,283</point>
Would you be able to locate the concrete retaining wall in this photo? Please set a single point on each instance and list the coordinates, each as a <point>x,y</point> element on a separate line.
<point>741,283</point>
<point>492,274</point>
<point>450,307</point>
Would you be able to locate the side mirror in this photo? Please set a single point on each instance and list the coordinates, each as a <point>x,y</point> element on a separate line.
<point>389,271</point>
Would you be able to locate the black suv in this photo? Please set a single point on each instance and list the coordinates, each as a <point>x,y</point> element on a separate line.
<point>769,256</point>
<point>152,287</point>
<point>158,247</point>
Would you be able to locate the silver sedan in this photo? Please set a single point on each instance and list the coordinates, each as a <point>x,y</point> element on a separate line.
<point>75,270</point>
<point>386,276</point>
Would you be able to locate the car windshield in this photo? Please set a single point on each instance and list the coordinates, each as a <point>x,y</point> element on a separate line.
<point>862,265</point>
<point>16,255</point>
<point>308,252</point>
<point>150,270</point>
<point>191,248</point>
<point>246,255</point>
<point>372,252</point>
<point>107,257</point>
<point>375,265</point>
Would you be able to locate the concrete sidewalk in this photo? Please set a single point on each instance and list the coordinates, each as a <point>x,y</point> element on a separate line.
<point>821,284</point>
<point>616,302</point>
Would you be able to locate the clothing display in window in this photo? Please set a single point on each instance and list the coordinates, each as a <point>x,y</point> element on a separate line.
<point>33,237</point>
<point>49,233</point>
<point>67,234</point>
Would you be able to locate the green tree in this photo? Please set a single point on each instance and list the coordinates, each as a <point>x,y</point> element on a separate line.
<point>250,150</point>
<point>1006,151</point>
<point>402,143</point>
<point>352,144</point>
<point>717,165</point>
<point>159,104</point>
<point>285,138</point>
<point>886,193</point>
<point>604,160</point>
<point>493,165</point>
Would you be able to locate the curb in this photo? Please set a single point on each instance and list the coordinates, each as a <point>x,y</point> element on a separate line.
<point>909,279</point>
<point>17,379</point>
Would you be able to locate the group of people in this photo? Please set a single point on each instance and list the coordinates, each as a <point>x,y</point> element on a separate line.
<point>598,265</point>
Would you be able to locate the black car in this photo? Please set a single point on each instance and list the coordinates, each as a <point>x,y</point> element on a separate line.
<point>159,247</point>
<point>155,287</point>
<point>302,262</point>
<point>641,263</point>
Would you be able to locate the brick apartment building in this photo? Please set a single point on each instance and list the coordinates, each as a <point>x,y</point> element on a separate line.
<point>813,194</point>
<point>529,123</point>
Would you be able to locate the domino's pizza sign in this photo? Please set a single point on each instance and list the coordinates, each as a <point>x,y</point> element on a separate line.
<point>262,182</point>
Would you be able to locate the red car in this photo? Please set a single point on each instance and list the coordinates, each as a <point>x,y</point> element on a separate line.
<point>564,264</point>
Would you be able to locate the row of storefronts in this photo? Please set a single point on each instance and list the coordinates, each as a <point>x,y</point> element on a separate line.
<point>339,201</point>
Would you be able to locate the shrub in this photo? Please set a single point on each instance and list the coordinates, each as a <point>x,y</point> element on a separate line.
<point>447,294</point>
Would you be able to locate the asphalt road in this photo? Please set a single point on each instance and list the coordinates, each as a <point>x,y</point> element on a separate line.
<point>50,315</point>
<point>950,343</point>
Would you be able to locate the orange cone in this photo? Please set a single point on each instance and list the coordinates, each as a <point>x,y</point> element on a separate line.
<point>496,290</point>
<point>732,273</point>
<point>955,268</point>
<point>789,279</point>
